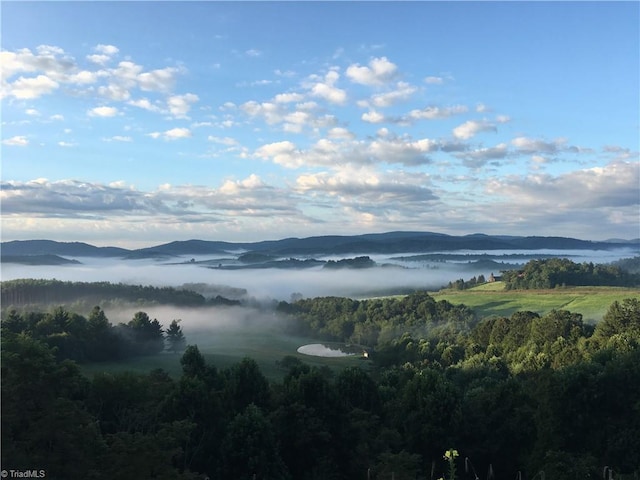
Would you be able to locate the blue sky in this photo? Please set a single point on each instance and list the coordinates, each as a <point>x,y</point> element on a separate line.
<point>138,123</point>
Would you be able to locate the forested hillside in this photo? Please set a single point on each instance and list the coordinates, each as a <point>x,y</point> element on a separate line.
<point>519,396</point>
<point>558,272</point>
<point>37,292</point>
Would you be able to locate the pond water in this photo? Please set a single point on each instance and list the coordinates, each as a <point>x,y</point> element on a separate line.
<point>326,350</point>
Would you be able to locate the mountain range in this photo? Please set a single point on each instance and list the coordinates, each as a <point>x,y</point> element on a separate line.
<point>385,243</point>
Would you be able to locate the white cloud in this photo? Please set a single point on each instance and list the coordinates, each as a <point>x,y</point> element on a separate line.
<point>66,144</point>
<point>472,127</point>
<point>613,186</point>
<point>176,133</point>
<point>433,80</point>
<point>328,91</point>
<point>340,133</point>
<point>118,138</point>
<point>103,112</point>
<point>114,92</point>
<point>32,112</point>
<point>99,59</point>
<point>228,141</point>
<point>145,104</point>
<point>433,113</point>
<point>271,113</point>
<point>379,72</point>
<point>160,80</point>
<point>530,145</point>
<point>173,134</point>
<point>179,105</point>
<point>106,49</point>
<point>253,52</point>
<point>372,117</point>
<point>57,117</point>
<point>403,92</point>
<point>33,87</point>
<point>283,153</point>
<point>17,141</point>
<point>288,97</point>
<point>83,77</point>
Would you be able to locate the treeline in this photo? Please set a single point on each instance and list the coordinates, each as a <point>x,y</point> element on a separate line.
<point>568,421</point>
<point>27,292</point>
<point>419,330</point>
<point>462,284</point>
<point>375,321</point>
<point>357,262</point>
<point>94,338</point>
<point>559,272</point>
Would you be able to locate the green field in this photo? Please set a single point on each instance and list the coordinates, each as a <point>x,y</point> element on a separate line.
<point>226,348</point>
<point>492,299</point>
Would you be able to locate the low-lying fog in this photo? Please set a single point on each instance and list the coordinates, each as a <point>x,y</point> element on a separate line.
<point>402,272</point>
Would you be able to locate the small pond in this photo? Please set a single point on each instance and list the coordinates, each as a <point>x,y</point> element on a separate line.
<point>330,350</point>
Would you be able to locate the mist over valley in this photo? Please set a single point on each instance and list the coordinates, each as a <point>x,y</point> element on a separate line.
<point>398,262</point>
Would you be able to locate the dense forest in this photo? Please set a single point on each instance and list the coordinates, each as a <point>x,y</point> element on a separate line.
<point>24,292</point>
<point>559,272</point>
<point>524,396</point>
<point>94,338</point>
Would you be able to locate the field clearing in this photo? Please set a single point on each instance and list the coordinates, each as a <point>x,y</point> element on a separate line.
<point>225,348</point>
<point>491,299</point>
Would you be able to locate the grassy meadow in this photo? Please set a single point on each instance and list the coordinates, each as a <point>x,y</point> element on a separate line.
<point>492,299</point>
<point>225,348</point>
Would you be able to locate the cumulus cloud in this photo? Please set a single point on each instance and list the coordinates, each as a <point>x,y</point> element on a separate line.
<point>114,92</point>
<point>182,204</point>
<point>172,134</point>
<point>103,111</point>
<point>372,117</point>
<point>472,127</point>
<point>160,80</point>
<point>341,149</point>
<point>179,105</point>
<point>379,72</point>
<point>70,198</point>
<point>327,90</point>
<point>614,185</point>
<point>288,97</point>
<point>32,87</point>
<point>283,153</point>
<point>107,49</point>
<point>176,133</point>
<point>17,141</point>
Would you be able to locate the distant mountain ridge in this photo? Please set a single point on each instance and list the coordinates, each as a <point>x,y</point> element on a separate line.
<point>385,243</point>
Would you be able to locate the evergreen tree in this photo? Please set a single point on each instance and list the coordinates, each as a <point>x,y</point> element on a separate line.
<point>175,337</point>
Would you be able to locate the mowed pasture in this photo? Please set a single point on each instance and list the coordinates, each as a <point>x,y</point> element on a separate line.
<point>491,299</point>
<point>226,348</point>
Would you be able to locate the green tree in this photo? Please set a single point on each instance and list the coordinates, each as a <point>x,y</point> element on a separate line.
<point>175,337</point>
<point>44,421</point>
<point>147,334</point>
<point>250,449</point>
